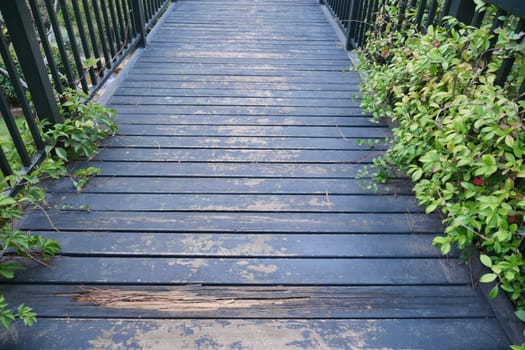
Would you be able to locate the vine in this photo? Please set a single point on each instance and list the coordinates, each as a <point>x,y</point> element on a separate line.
<point>85,126</point>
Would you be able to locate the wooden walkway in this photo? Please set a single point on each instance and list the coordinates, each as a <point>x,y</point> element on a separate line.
<point>228,214</point>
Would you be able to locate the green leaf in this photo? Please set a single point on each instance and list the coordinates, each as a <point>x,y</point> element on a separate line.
<point>520,314</point>
<point>485,260</point>
<point>488,277</point>
<point>509,141</point>
<point>494,292</point>
<point>445,248</point>
<point>417,174</point>
<point>6,320</point>
<point>61,153</point>
<point>7,201</point>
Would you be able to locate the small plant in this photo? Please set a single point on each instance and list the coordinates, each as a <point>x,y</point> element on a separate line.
<point>86,125</point>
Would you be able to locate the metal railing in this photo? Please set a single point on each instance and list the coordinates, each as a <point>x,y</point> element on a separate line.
<point>357,17</point>
<point>47,46</point>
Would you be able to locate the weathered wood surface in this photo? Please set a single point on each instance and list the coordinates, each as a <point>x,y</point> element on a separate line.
<point>231,212</point>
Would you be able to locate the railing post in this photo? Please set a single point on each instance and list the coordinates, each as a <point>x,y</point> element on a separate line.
<point>463,10</point>
<point>17,18</point>
<point>352,24</point>
<point>137,7</point>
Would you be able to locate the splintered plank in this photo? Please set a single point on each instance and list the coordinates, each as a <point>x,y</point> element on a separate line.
<point>225,185</point>
<point>275,271</point>
<point>438,334</point>
<point>251,302</point>
<point>229,222</point>
<point>236,203</point>
<point>222,245</point>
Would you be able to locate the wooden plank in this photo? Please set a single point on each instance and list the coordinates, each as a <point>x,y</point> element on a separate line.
<point>200,53</point>
<point>219,142</point>
<point>228,271</point>
<point>245,245</point>
<point>218,86</point>
<point>241,302</point>
<point>343,78</point>
<point>158,56</point>
<point>312,132</point>
<point>221,185</point>
<point>152,118</point>
<point>269,95</point>
<point>220,155</point>
<point>311,75</point>
<point>241,110</point>
<point>430,334</point>
<point>320,203</point>
<point>230,222</point>
<point>232,170</point>
<point>232,101</point>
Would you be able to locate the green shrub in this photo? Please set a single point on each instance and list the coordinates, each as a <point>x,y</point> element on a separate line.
<point>459,137</point>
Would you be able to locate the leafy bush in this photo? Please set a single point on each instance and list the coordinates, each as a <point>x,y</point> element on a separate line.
<point>85,126</point>
<point>460,137</point>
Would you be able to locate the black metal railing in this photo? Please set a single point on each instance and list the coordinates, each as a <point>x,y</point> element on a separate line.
<point>357,17</point>
<point>47,46</point>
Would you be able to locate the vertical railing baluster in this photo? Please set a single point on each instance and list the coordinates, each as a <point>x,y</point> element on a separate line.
<point>93,36</point>
<point>84,40</point>
<point>138,17</point>
<point>103,38</point>
<point>463,10</point>
<point>19,23</point>
<point>37,18</point>
<point>508,62</point>
<point>10,123</point>
<point>4,164</point>
<point>496,23</point>
<point>421,12</point>
<point>57,33</point>
<point>123,24</point>
<point>20,93</point>
<point>73,46</point>
<point>431,13</point>
<point>108,29</point>
<point>115,26</point>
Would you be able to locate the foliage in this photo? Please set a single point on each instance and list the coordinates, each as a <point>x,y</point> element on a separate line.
<point>86,125</point>
<point>460,137</point>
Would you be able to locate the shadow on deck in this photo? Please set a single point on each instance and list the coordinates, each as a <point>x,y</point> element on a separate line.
<point>229,215</point>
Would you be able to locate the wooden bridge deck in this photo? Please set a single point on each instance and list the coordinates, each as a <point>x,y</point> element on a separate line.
<point>228,214</point>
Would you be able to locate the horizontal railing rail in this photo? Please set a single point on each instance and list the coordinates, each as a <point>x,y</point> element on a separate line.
<point>47,46</point>
<point>357,17</point>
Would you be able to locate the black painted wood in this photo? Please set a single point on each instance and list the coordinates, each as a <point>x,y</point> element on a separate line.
<point>431,334</point>
<point>231,211</point>
<point>184,245</point>
<point>227,185</point>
